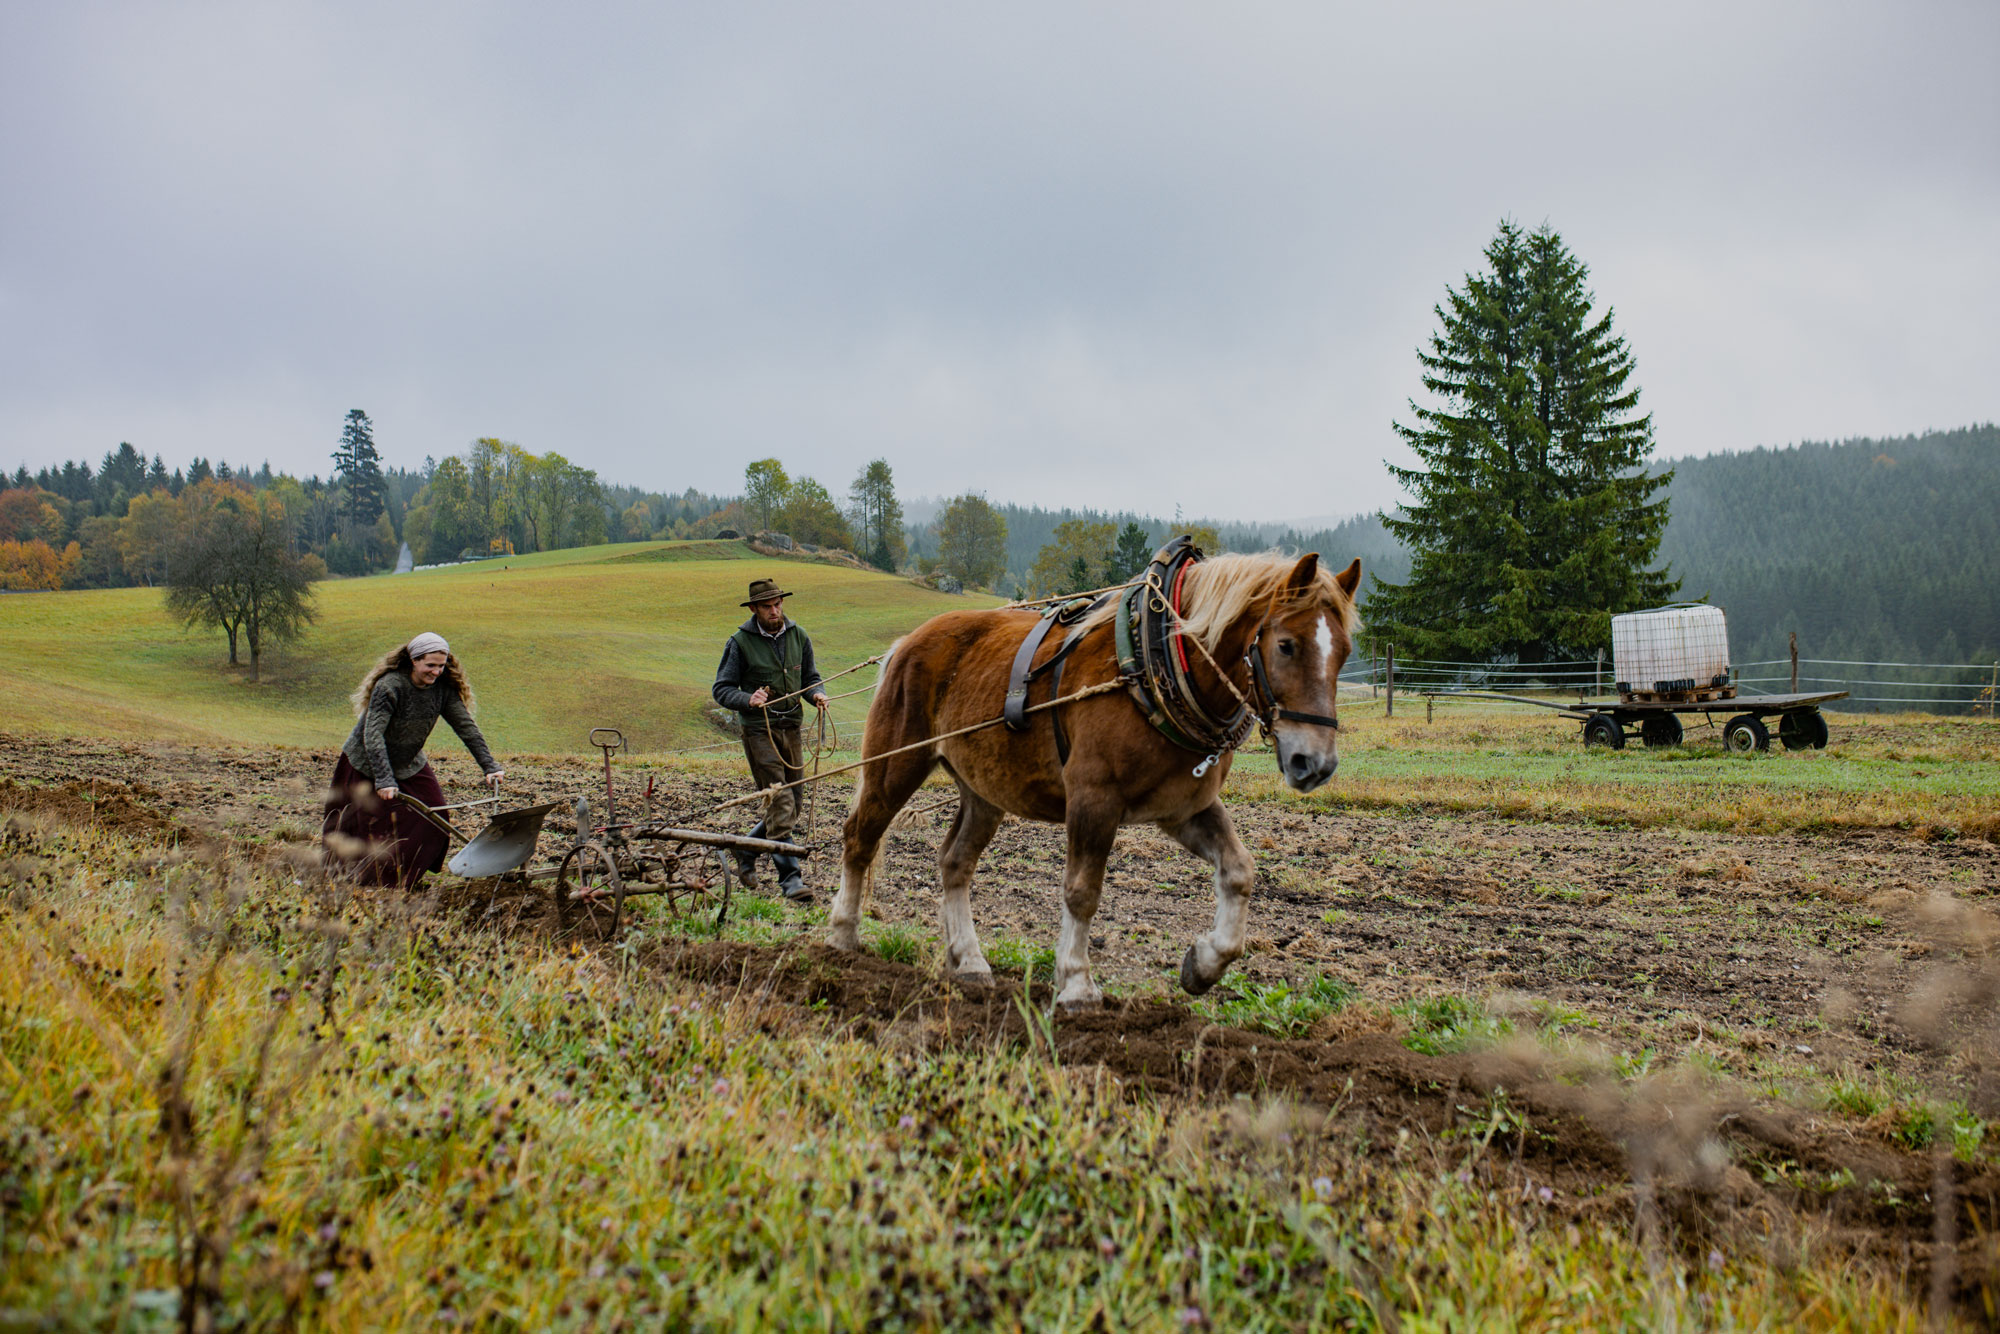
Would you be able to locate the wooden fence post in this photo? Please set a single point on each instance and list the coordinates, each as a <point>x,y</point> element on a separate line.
<point>1390,673</point>
<point>1795,662</point>
<point>1597,681</point>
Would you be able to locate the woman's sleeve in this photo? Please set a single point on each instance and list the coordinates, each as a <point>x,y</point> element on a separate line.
<point>374,733</point>
<point>455,713</point>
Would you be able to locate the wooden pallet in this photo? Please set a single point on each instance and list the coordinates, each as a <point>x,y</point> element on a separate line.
<point>1705,695</point>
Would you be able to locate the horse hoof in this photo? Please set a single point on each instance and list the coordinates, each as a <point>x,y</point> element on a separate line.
<point>848,940</point>
<point>1081,1005</point>
<point>1191,981</point>
<point>975,983</point>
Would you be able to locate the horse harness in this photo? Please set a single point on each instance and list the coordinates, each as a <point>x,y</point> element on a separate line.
<point>1153,664</point>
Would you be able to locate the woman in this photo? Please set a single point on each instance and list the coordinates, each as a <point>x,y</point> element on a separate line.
<point>386,841</point>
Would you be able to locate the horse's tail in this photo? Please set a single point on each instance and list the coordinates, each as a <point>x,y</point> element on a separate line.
<point>861,782</point>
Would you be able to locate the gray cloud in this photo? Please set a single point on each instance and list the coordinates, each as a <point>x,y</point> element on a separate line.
<point>1112,255</point>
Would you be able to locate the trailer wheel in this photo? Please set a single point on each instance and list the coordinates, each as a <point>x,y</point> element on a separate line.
<point>1744,733</point>
<point>1601,729</point>
<point>1662,731</point>
<point>1800,728</point>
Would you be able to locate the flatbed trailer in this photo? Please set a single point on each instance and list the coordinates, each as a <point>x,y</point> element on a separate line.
<point>1608,722</point>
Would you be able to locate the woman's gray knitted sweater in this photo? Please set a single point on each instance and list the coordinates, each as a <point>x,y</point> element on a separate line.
<point>387,743</point>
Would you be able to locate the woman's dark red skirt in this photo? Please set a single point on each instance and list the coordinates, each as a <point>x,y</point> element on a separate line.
<point>382,842</point>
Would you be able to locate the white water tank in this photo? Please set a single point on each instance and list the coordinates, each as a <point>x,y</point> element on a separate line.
<point>1670,650</point>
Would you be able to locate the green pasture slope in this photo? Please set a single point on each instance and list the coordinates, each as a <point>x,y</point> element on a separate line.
<point>624,636</point>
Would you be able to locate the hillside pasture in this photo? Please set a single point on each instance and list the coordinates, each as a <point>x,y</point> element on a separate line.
<point>556,643</point>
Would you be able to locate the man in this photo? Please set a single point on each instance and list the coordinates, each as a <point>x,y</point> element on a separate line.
<point>767,667</point>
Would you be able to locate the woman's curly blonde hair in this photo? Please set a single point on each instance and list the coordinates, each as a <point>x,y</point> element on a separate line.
<point>398,659</point>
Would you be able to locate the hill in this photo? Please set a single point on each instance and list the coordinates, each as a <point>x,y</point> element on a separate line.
<point>1885,550</point>
<point>624,635</point>
<point>1870,549</point>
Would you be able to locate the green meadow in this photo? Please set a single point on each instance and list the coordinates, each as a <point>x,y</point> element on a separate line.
<point>628,636</point>
<point>625,636</point>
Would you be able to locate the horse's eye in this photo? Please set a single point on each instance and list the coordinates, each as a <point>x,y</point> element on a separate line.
<point>1285,646</point>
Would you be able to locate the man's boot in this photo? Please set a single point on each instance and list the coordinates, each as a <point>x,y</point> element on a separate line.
<point>746,862</point>
<point>792,880</point>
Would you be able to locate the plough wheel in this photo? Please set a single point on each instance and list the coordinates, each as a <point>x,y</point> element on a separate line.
<point>588,870</point>
<point>672,875</point>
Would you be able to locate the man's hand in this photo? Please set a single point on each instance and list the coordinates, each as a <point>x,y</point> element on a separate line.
<point>819,701</point>
<point>760,696</point>
<point>493,779</point>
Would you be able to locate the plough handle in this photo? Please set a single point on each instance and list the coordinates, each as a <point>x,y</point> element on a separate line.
<point>447,826</point>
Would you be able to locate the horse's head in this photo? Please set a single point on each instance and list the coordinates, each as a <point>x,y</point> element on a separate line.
<point>1303,644</point>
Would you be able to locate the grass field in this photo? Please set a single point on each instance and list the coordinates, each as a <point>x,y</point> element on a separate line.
<point>628,636</point>
<point>1905,771</point>
<point>625,636</point>
<point>221,1111</point>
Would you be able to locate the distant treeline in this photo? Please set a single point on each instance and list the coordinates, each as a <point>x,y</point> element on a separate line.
<point>1885,550</point>
<point>1870,549</point>
<point>1876,550</point>
<point>1030,528</point>
<point>75,526</point>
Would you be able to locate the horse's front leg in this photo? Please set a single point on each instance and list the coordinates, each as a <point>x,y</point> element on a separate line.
<point>1210,835</point>
<point>1092,831</point>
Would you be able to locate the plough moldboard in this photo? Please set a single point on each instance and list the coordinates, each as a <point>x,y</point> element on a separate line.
<point>693,870</point>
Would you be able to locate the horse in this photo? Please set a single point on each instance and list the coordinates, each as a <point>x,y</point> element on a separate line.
<point>1262,625</point>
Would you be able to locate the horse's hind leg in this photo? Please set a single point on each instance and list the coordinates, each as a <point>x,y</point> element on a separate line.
<point>971,830</point>
<point>885,786</point>
<point>1210,835</point>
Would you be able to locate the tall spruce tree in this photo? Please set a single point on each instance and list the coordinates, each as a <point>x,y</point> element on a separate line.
<point>359,468</point>
<point>1531,520</point>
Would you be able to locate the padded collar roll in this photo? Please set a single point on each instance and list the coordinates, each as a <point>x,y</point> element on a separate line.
<point>1155,670</point>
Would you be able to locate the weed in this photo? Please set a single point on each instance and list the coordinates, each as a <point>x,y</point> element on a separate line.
<point>1854,1098</point>
<point>899,944</point>
<point>1036,963</point>
<point>1280,1010</point>
<point>1449,1023</point>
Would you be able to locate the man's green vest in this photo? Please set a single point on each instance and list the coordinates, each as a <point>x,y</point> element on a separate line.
<point>777,663</point>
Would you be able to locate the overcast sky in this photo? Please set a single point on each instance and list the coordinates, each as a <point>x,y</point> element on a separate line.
<point>1143,255</point>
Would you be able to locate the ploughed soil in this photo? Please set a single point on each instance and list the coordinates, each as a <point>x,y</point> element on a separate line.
<point>1697,993</point>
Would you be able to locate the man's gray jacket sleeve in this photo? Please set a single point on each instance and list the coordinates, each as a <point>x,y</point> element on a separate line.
<point>727,690</point>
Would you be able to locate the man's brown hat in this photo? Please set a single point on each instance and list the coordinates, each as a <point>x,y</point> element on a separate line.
<point>763,590</point>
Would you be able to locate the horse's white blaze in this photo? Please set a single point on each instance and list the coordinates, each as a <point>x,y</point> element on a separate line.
<point>1324,638</point>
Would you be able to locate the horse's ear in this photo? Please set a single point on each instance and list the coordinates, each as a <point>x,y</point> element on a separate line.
<point>1349,579</point>
<point>1304,572</point>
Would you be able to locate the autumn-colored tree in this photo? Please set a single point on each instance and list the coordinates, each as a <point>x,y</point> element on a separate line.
<point>35,566</point>
<point>28,515</point>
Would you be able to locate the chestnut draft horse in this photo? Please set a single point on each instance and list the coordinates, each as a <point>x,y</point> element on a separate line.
<point>1277,629</point>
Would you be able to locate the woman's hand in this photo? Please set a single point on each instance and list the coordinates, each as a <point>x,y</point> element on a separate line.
<point>386,793</point>
<point>493,779</point>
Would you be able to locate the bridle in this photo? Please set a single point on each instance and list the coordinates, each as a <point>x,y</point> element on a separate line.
<point>1266,702</point>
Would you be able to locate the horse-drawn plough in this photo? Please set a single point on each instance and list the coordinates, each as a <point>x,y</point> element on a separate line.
<point>691,870</point>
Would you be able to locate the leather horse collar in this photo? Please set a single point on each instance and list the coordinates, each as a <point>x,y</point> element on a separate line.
<point>1153,660</point>
<point>1155,667</point>
<point>1153,664</point>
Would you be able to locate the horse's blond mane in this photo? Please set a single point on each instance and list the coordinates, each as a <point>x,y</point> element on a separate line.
<point>1222,588</point>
